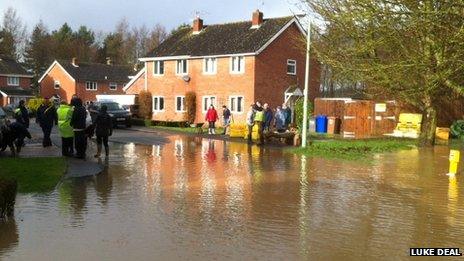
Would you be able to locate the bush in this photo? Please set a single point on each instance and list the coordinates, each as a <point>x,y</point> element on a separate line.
<point>145,104</point>
<point>191,106</point>
<point>8,189</point>
<point>457,129</point>
<point>298,110</point>
<point>34,104</point>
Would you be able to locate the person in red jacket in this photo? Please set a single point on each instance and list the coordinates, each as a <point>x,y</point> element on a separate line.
<point>211,118</point>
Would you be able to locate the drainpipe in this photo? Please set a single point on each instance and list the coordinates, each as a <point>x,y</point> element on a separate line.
<point>146,77</point>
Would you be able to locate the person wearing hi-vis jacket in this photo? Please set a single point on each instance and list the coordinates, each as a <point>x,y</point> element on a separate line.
<point>66,131</point>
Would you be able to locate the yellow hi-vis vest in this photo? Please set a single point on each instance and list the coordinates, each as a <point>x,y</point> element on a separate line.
<point>64,121</point>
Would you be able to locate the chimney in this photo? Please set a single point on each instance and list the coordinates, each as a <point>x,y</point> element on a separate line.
<point>75,62</point>
<point>108,61</point>
<point>257,19</point>
<point>197,25</point>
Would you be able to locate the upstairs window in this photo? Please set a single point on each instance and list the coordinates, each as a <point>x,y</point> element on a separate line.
<point>113,86</point>
<point>158,103</point>
<point>180,103</point>
<point>237,64</point>
<point>12,81</point>
<point>57,85</point>
<point>209,65</point>
<point>181,67</point>
<point>91,86</point>
<point>158,68</point>
<point>291,67</point>
<point>236,104</point>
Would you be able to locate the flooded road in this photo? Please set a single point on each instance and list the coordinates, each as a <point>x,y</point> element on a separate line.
<point>197,199</point>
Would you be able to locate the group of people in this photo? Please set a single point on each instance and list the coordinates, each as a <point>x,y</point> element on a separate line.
<point>12,134</point>
<point>71,120</point>
<point>73,128</point>
<point>258,115</point>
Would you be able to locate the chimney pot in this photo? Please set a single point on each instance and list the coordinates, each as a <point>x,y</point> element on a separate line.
<point>197,25</point>
<point>257,19</point>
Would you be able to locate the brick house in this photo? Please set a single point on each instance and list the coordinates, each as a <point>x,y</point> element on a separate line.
<point>15,82</point>
<point>233,64</point>
<point>63,79</point>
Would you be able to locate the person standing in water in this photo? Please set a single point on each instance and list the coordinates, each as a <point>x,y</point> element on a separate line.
<point>211,118</point>
<point>103,129</point>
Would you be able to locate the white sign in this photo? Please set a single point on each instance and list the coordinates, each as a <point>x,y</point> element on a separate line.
<point>380,107</point>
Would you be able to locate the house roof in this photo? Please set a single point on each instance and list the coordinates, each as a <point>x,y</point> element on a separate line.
<point>220,39</point>
<point>15,91</point>
<point>97,71</point>
<point>9,66</point>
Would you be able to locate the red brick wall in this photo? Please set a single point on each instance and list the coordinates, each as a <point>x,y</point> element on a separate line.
<point>102,88</point>
<point>47,86</point>
<point>24,82</point>
<point>69,87</point>
<point>137,86</point>
<point>271,68</point>
<point>222,85</point>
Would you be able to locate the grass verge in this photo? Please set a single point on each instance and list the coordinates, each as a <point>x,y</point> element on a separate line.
<point>34,175</point>
<point>219,130</point>
<point>354,149</point>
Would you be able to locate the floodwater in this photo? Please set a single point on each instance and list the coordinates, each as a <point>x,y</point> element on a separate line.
<point>197,199</point>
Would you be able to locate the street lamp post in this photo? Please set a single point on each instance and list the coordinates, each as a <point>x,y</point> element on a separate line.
<point>305,104</point>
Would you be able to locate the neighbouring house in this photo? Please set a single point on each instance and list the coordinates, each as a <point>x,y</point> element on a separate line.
<point>64,79</point>
<point>233,64</point>
<point>15,82</point>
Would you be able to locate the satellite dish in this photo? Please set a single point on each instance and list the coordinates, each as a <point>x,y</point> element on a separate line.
<point>186,78</point>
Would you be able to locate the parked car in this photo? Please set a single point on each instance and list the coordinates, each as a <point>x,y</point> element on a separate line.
<point>117,113</point>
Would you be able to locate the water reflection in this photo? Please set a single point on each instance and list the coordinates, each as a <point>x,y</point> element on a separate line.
<point>192,198</point>
<point>9,236</point>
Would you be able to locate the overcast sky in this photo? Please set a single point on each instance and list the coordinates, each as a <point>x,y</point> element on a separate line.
<point>104,14</point>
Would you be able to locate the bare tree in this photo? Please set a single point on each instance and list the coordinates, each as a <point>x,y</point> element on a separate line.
<point>13,25</point>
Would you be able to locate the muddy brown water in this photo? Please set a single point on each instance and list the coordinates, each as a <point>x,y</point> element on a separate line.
<point>196,199</point>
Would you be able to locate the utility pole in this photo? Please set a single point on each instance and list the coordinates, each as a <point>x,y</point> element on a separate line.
<point>305,104</point>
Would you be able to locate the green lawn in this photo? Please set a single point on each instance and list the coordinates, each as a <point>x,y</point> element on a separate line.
<point>35,175</point>
<point>219,130</point>
<point>354,149</point>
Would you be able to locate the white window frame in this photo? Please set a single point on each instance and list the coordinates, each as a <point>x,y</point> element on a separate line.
<point>182,106</point>
<point>57,83</point>
<point>213,64</point>
<point>233,109</point>
<point>93,88</point>
<point>208,103</point>
<point>113,86</point>
<point>242,68</point>
<point>158,109</point>
<point>291,62</point>
<point>177,67</point>
<point>12,81</point>
<point>157,72</point>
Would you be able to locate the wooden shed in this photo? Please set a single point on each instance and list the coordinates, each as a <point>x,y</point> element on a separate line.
<point>359,118</point>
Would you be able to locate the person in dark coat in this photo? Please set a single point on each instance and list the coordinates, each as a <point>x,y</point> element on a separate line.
<point>22,114</point>
<point>78,123</point>
<point>288,114</point>
<point>47,118</point>
<point>13,134</point>
<point>268,117</point>
<point>103,129</point>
